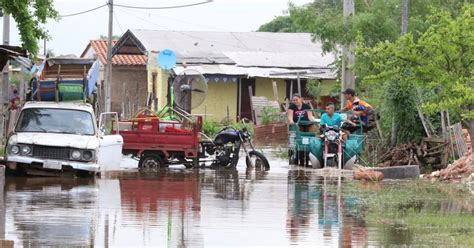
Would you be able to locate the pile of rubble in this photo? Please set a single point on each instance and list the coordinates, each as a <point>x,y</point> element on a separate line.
<point>461,168</point>
<point>458,169</point>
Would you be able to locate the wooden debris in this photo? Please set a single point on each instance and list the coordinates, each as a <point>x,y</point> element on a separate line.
<point>431,151</point>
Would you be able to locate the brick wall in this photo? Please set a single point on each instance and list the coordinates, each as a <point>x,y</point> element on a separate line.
<point>272,134</point>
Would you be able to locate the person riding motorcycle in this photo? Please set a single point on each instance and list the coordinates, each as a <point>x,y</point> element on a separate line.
<point>331,118</point>
<point>358,108</point>
<point>298,110</point>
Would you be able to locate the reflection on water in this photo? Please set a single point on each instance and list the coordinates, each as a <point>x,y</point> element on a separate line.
<point>187,208</point>
<point>317,208</point>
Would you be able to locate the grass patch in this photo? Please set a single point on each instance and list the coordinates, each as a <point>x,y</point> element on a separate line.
<point>417,213</point>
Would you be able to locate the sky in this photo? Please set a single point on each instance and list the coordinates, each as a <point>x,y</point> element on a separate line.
<point>70,35</point>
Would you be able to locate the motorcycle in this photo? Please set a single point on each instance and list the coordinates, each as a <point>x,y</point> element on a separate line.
<point>333,146</point>
<point>226,147</point>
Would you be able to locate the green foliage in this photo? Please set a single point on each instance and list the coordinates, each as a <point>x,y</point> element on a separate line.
<point>439,63</point>
<point>270,115</point>
<point>279,24</point>
<point>390,68</point>
<point>313,87</point>
<point>30,15</point>
<point>210,128</point>
<point>375,21</point>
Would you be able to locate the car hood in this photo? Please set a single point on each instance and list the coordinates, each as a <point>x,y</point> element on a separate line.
<point>55,139</point>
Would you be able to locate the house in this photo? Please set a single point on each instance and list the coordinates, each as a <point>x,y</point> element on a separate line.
<point>129,77</point>
<point>232,62</point>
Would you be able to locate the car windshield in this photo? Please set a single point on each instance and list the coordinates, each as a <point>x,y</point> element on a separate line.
<point>50,120</point>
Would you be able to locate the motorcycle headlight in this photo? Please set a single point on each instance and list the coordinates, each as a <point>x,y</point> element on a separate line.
<point>25,150</point>
<point>76,154</point>
<point>331,135</point>
<point>14,149</point>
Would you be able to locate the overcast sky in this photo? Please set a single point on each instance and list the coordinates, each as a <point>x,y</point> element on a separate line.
<point>70,35</point>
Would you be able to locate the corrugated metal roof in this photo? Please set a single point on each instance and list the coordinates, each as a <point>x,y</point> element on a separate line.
<point>242,48</point>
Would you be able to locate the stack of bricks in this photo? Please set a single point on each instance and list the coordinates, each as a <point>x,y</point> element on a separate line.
<point>467,138</point>
<point>272,134</point>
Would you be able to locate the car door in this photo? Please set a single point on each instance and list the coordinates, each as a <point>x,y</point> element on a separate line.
<point>110,142</point>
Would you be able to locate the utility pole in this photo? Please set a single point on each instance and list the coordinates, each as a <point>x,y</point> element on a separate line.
<point>5,78</point>
<point>404,26</point>
<point>108,68</point>
<point>403,31</point>
<point>348,58</point>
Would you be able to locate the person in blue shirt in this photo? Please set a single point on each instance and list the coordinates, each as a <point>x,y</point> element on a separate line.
<point>331,118</point>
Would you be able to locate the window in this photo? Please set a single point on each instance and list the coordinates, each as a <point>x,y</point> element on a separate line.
<point>49,120</point>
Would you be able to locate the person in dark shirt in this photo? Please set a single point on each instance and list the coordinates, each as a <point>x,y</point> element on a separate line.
<point>296,112</point>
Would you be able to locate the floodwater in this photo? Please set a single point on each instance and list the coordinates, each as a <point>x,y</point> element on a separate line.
<point>184,208</point>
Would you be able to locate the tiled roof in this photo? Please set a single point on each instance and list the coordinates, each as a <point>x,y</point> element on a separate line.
<point>100,48</point>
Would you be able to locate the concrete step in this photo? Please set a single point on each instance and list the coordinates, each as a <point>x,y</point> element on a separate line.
<point>400,172</point>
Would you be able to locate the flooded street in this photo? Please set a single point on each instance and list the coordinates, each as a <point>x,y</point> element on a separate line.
<point>190,208</point>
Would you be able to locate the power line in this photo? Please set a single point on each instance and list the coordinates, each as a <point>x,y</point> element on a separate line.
<point>118,23</point>
<point>163,7</point>
<point>184,33</point>
<point>136,7</point>
<point>83,12</point>
<point>254,34</point>
<point>179,20</point>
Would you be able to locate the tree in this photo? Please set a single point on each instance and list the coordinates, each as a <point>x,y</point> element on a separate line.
<point>375,22</point>
<point>30,15</point>
<point>279,24</point>
<point>439,63</point>
<point>114,37</point>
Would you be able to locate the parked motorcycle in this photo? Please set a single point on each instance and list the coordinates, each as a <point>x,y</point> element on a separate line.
<point>226,147</point>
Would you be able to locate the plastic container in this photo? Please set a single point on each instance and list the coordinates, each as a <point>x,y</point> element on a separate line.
<point>70,92</point>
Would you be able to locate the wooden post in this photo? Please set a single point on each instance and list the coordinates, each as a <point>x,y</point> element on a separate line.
<point>291,89</point>
<point>23,82</point>
<point>251,104</point>
<point>275,90</point>
<point>239,101</point>
<point>445,156</point>
<point>450,136</point>
<point>348,58</point>
<point>299,82</point>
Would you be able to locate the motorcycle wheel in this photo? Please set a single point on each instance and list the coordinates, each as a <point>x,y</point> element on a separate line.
<point>330,162</point>
<point>292,157</point>
<point>258,159</point>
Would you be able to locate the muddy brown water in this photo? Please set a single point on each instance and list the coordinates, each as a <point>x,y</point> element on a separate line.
<point>178,207</point>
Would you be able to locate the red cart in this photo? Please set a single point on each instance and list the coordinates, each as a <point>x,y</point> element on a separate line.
<point>159,143</point>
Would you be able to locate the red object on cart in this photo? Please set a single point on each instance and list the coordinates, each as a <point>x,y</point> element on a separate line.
<point>147,134</point>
